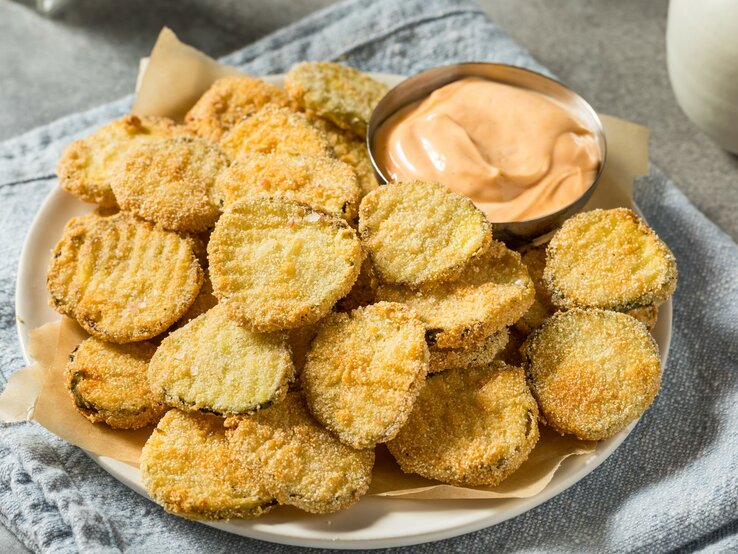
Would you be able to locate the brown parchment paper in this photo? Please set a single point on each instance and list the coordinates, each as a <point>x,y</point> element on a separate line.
<point>170,82</point>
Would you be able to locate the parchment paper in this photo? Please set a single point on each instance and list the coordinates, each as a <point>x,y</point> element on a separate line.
<point>172,80</point>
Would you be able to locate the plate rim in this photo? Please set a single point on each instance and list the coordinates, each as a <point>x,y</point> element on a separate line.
<point>121,471</point>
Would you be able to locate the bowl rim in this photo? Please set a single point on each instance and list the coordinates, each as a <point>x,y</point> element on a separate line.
<point>462,70</point>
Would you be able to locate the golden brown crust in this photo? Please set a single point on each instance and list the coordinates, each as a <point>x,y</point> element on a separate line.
<point>122,279</point>
<point>172,182</point>
<point>364,291</point>
<point>351,150</point>
<point>593,372</point>
<point>320,182</point>
<point>418,233</point>
<point>483,353</point>
<point>648,315</point>
<point>279,265</point>
<point>364,371</point>
<point>301,463</point>
<point>228,101</point>
<point>214,365</point>
<point>275,130</point>
<point>87,166</point>
<point>204,301</point>
<point>108,383</point>
<point>608,259</point>
<point>492,293</point>
<point>189,468</point>
<point>337,92</point>
<point>470,427</point>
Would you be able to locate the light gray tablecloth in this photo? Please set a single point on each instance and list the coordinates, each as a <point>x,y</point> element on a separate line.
<point>672,485</point>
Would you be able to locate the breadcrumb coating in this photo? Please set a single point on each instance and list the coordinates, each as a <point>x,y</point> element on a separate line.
<point>470,427</point>
<point>88,166</point>
<point>364,371</point>
<point>340,93</point>
<point>108,383</point>
<point>172,183</point>
<point>320,182</point>
<point>228,101</point>
<point>214,365</point>
<point>483,353</point>
<point>593,372</point>
<point>418,233</point>
<point>279,265</point>
<point>189,468</point>
<point>122,279</point>
<point>301,463</point>
<point>608,259</point>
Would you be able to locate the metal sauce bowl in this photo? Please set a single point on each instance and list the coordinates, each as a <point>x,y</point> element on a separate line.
<point>421,85</point>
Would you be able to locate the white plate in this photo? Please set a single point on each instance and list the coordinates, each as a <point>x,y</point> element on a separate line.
<point>374,522</point>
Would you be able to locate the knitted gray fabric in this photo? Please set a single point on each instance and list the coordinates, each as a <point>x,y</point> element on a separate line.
<point>673,484</point>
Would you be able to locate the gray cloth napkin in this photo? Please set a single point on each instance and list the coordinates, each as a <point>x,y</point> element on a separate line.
<point>673,484</point>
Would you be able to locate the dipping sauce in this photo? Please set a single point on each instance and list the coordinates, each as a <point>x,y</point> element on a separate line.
<point>517,153</point>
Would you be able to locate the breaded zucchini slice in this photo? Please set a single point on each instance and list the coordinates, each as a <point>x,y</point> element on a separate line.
<point>350,149</point>
<point>228,101</point>
<point>214,365</point>
<point>320,182</point>
<point>419,232</point>
<point>593,372</point>
<point>483,353</point>
<point>122,279</point>
<point>648,315</point>
<point>470,427</point>
<point>275,129</point>
<point>279,265</point>
<point>301,463</point>
<point>339,93</point>
<point>364,371</point>
<point>608,259</point>
<point>108,383</point>
<point>189,468</point>
<point>534,258</point>
<point>492,293</point>
<point>172,182</point>
<point>87,166</point>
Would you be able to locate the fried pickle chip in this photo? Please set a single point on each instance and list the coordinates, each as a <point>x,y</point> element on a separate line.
<point>171,182</point>
<point>470,427</point>
<point>228,101</point>
<point>320,182</point>
<point>301,463</point>
<point>214,365</point>
<point>108,383</point>
<point>274,129</point>
<point>483,353</point>
<point>492,293</point>
<point>364,371</point>
<point>351,150</point>
<point>608,259</point>
<point>87,166</point>
<point>592,371</point>
<point>542,308</point>
<point>122,279</point>
<point>419,232</point>
<point>279,265</point>
<point>337,92</point>
<point>189,468</point>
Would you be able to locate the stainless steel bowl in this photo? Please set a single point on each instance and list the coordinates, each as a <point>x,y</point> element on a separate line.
<point>421,85</point>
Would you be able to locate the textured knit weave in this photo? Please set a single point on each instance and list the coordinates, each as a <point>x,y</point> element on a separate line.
<point>672,485</point>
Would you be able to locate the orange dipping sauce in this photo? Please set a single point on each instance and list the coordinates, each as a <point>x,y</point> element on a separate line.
<point>516,153</point>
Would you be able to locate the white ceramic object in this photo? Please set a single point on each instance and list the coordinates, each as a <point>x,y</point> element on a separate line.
<point>374,522</point>
<point>702,57</point>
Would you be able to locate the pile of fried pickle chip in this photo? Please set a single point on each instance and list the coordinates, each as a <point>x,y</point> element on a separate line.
<point>250,290</point>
